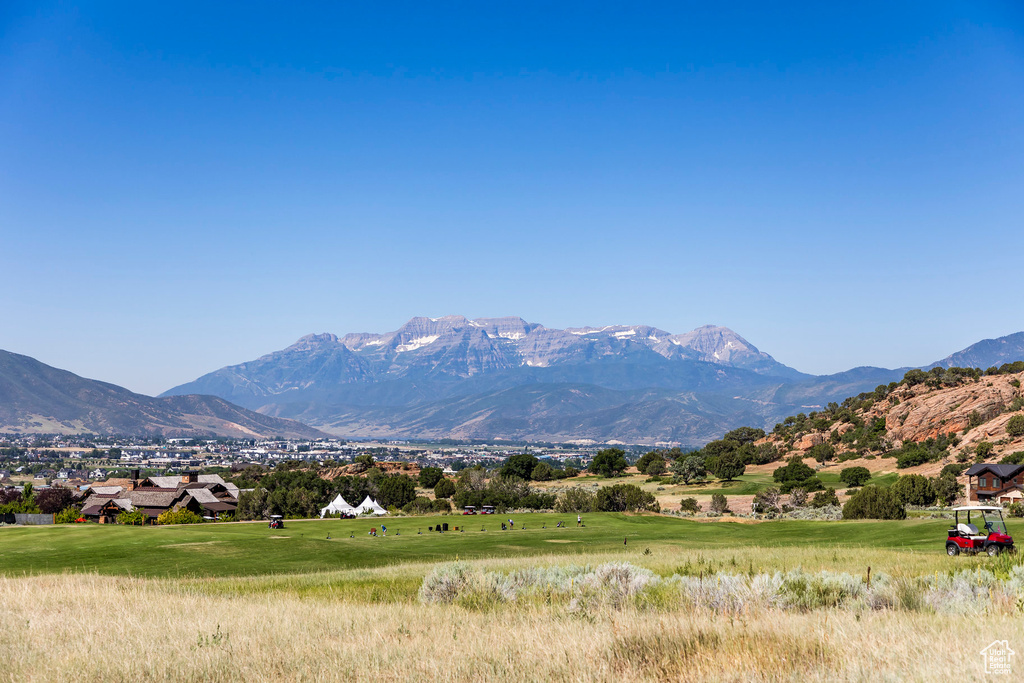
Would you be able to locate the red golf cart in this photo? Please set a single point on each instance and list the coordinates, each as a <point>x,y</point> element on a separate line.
<point>469,510</point>
<point>964,536</point>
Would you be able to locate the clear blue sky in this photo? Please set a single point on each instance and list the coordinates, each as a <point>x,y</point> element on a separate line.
<point>191,186</point>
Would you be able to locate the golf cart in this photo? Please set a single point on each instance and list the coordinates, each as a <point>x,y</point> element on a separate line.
<point>964,537</point>
<point>276,522</point>
<point>469,510</point>
<point>487,510</point>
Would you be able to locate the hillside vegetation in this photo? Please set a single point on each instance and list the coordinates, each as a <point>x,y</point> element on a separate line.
<point>945,415</point>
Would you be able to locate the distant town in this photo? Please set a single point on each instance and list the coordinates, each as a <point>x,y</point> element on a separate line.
<point>79,461</point>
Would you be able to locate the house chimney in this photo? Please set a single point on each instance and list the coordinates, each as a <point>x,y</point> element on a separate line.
<point>189,477</point>
<point>134,483</point>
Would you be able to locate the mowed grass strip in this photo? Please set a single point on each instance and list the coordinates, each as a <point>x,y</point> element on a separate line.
<point>241,549</point>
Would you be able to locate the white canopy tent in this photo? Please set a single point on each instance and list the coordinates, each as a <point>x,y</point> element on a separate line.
<point>370,505</point>
<point>335,506</point>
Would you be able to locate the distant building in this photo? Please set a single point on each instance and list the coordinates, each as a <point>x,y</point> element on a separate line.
<point>995,483</point>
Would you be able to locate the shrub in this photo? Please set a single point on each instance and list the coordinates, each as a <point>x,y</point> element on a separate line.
<point>395,489</point>
<point>442,505</point>
<point>135,518</point>
<point>421,505</point>
<point>1015,510</point>
<point>1014,458</point>
<point>182,516</point>
<point>798,497</point>
<point>68,515</point>
<point>955,470</point>
<point>444,489</point>
<point>719,504</point>
<point>576,500</point>
<point>946,488</point>
<point>646,459</point>
<point>766,500</point>
<point>825,498</point>
<point>609,462</point>
<point>823,452</point>
<point>625,498</point>
<point>727,466</point>
<point>855,476</point>
<point>984,449</point>
<point>810,484</point>
<point>914,489</point>
<point>872,502</point>
<point>689,505</point>
<point>793,470</point>
<point>689,469</point>
<point>655,467</point>
<point>54,499</point>
<point>430,476</point>
<point>1015,426</point>
<point>542,472</point>
<point>519,465</point>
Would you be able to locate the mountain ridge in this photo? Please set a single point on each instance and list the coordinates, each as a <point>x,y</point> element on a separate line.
<point>38,398</point>
<point>509,378</point>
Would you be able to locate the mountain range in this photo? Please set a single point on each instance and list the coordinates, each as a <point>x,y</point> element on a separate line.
<point>38,398</point>
<point>453,377</point>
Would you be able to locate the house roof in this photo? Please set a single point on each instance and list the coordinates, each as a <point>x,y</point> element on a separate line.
<point>164,482</point>
<point>105,490</point>
<point>1001,471</point>
<point>152,499</point>
<point>203,496</point>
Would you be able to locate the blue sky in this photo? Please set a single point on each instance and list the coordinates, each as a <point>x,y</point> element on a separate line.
<point>186,187</point>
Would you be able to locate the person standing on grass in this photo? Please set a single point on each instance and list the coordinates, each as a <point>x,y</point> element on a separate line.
<point>384,530</point>
<point>511,524</point>
<point>579,520</point>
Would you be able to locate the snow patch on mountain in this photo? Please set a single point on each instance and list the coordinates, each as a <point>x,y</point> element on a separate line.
<point>417,343</point>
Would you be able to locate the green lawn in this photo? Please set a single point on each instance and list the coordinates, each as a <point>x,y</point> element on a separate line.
<point>303,546</point>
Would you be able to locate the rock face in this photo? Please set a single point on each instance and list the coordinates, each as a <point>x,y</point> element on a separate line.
<point>924,414</point>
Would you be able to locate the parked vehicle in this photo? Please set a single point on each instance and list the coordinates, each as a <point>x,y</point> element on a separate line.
<point>487,510</point>
<point>965,537</point>
<point>276,522</point>
<point>469,510</point>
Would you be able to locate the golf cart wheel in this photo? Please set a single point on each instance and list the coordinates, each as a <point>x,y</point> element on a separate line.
<point>952,549</point>
<point>993,550</point>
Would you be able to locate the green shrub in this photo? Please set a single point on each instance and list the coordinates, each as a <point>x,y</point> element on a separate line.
<point>947,488</point>
<point>68,515</point>
<point>1015,426</point>
<point>625,498</point>
<point>914,489</point>
<point>576,500</point>
<point>1015,510</point>
<point>872,502</point>
<point>825,498</point>
<point>182,516</point>
<point>442,505</point>
<point>429,476</point>
<point>689,505</point>
<point>136,518</point>
<point>1014,458</point>
<point>766,500</point>
<point>719,504</point>
<point>855,476</point>
<point>609,462</point>
<point>445,489</point>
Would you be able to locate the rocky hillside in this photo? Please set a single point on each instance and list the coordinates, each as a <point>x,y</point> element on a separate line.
<point>35,397</point>
<point>940,417</point>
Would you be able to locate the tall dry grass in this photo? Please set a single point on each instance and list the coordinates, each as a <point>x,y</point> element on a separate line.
<point>96,628</point>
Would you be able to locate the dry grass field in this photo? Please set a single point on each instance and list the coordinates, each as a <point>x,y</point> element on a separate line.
<point>368,624</point>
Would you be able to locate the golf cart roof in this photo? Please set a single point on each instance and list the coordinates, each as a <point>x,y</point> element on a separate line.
<point>989,508</point>
<point>276,516</point>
